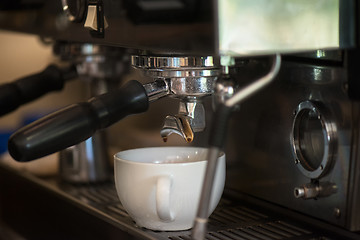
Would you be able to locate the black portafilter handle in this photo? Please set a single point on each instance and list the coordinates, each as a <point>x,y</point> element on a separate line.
<point>27,89</point>
<point>77,122</point>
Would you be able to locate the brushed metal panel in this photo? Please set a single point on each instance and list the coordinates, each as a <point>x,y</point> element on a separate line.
<point>253,27</point>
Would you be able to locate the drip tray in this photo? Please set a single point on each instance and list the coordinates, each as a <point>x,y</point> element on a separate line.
<point>232,219</point>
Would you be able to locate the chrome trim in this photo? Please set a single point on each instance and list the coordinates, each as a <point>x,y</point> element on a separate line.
<point>330,139</point>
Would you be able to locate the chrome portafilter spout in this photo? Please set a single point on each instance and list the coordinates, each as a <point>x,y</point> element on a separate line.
<point>190,119</point>
<point>189,79</point>
<point>217,139</point>
<point>100,67</point>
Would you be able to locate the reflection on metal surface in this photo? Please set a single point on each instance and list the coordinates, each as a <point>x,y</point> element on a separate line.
<point>157,89</point>
<point>320,53</point>
<point>317,74</point>
<point>187,76</point>
<point>253,27</point>
<point>190,119</point>
<point>178,124</point>
<point>159,63</point>
<point>327,55</point>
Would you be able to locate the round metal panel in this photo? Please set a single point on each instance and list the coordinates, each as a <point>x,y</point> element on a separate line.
<point>313,139</point>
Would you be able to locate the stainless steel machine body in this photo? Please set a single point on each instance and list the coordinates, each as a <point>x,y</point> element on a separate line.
<point>294,144</point>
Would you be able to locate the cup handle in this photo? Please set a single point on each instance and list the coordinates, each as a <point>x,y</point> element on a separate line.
<point>163,191</point>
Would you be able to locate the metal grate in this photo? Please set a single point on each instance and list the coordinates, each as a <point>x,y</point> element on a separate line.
<point>265,231</point>
<point>230,221</point>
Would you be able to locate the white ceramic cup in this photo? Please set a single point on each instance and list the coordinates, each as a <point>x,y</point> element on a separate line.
<point>160,187</point>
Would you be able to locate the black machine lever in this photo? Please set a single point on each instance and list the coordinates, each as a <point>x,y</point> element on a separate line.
<point>77,122</point>
<point>27,89</point>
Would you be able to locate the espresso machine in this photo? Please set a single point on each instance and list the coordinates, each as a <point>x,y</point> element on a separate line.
<point>271,83</point>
